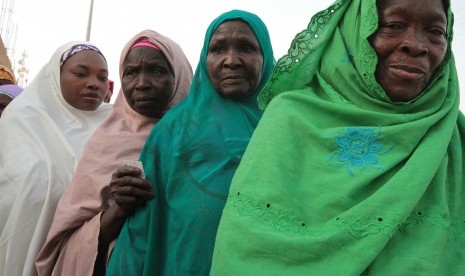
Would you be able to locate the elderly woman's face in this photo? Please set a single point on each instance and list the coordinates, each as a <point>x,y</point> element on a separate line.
<point>148,81</point>
<point>410,43</point>
<point>84,80</point>
<point>234,60</point>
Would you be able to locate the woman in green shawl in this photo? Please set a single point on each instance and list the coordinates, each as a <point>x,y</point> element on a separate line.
<point>356,167</point>
<point>193,152</point>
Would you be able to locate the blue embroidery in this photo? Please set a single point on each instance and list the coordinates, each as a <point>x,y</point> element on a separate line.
<point>359,148</point>
<point>349,58</point>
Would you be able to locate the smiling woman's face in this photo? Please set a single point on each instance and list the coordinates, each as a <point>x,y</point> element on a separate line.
<point>148,81</point>
<point>410,44</point>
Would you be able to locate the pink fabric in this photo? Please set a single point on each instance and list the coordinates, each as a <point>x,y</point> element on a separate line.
<point>72,242</point>
<point>146,43</point>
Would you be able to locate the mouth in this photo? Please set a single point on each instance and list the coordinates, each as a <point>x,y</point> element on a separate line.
<point>91,97</point>
<point>233,79</point>
<point>144,100</point>
<point>407,72</point>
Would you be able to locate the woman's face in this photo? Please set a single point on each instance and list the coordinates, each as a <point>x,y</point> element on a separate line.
<point>84,80</point>
<point>148,81</point>
<point>234,60</point>
<point>410,43</point>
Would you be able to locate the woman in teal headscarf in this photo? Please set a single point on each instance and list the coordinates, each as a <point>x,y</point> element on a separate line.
<point>193,152</point>
<point>357,164</point>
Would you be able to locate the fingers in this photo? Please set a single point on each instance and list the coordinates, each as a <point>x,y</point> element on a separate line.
<point>127,170</point>
<point>129,190</point>
<point>132,187</point>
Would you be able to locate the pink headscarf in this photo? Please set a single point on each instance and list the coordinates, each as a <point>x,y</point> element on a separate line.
<point>72,242</point>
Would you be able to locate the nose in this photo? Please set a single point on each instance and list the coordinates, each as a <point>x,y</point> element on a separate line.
<point>141,82</point>
<point>414,43</point>
<point>232,59</point>
<point>93,83</point>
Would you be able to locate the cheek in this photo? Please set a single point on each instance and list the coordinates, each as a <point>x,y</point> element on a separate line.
<point>212,68</point>
<point>166,87</point>
<point>104,88</point>
<point>438,56</point>
<point>258,71</point>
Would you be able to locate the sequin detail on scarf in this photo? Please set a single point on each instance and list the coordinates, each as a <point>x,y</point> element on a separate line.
<point>304,43</point>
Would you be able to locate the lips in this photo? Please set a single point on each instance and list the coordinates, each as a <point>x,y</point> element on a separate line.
<point>232,78</point>
<point>145,99</point>
<point>91,96</point>
<point>407,72</point>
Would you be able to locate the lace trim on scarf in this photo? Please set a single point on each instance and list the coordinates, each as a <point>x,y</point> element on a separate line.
<point>283,220</point>
<point>302,45</point>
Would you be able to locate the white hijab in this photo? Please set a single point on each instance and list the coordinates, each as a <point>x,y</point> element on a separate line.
<point>41,141</point>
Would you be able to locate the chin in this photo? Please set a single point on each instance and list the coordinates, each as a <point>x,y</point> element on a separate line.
<point>236,94</point>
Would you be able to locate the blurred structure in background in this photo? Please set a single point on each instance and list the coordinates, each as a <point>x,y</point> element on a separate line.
<point>8,34</point>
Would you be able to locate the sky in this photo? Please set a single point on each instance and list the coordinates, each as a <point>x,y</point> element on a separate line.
<point>42,26</point>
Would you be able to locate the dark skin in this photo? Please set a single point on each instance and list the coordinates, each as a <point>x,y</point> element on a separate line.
<point>84,80</point>
<point>5,81</point>
<point>234,60</point>
<point>148,85</point>
<point>4,101</point>
<point>148,81</point>
<point>410,44</point>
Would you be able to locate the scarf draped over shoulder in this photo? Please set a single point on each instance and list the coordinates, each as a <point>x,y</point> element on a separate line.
<point>337,178</point>
<point>71,247</point>
<point>190,157</point>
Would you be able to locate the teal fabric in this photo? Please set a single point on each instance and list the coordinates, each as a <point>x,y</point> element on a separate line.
<point>338,179</point>
<point>190,157</point>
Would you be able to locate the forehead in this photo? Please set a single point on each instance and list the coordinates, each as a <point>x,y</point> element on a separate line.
<point>434,8</point>
<point>86,58</point>
<point>143,53</point>
<point>233,26</point>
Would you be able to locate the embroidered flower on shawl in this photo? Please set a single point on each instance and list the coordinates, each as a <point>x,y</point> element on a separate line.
<point>359,147</point>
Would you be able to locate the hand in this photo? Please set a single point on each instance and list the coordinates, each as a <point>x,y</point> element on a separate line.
<point>129,190</point>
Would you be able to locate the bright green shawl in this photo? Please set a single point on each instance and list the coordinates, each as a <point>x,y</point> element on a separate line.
<point>190,157</point>
<point>337,179</point>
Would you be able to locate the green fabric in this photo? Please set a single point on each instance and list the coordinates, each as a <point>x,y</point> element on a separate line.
<point>339,180</point>
<point>190,157</point>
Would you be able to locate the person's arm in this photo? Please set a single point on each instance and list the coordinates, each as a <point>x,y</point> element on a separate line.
<point>129,192</point>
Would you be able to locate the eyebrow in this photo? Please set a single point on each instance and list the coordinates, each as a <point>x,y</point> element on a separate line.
<point>87,67</point>
<point>434,16</point>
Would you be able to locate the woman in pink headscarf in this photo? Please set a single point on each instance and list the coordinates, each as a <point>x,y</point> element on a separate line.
<point>155,75</point>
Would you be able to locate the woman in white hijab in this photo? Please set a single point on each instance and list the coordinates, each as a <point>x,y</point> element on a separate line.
<point>42,135</point>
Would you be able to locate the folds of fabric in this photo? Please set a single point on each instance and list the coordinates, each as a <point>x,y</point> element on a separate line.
<point>42,140</point>
<point>339,180</point>
<point>71,246</point>
<point>190,157</point>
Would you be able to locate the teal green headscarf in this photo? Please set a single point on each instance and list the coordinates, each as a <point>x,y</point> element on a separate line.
<point>338,179</point>
<point>190,157</point>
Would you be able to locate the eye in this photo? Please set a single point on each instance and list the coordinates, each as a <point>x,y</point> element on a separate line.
<point>103,79</point>
<point>129,72</point>
<point>248,48</point>
<point>80,74</point>
<point>438,31</point>
<point>394,26</point>
<point>217,49</point>
<point>158,70</point>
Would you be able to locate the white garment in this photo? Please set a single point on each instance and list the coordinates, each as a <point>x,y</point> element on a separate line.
<point>41,140</point>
